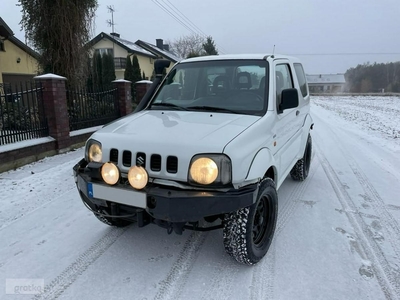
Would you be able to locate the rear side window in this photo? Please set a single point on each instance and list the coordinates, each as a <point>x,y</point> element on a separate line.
<point>301,78</point>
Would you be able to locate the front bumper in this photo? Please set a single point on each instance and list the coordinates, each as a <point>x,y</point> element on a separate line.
<point>162,202</point>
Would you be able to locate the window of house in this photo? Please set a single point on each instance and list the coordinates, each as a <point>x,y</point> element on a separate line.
<point>2,45</point>
<point>301,77</point>
<point>103,51</point>
<point>151,60</point>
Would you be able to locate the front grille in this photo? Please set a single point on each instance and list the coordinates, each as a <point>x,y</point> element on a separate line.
<point>172,164</point>
<point>141,159</point>
<point>155,163</point>
<point>127,158</point>
<point>114,155</point>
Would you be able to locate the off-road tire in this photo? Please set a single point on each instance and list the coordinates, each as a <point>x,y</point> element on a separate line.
<point>111,222</point>
<point>248,232</point>
<point>302,167</point>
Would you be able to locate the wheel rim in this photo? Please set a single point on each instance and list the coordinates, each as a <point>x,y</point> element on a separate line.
<point>261,222</point>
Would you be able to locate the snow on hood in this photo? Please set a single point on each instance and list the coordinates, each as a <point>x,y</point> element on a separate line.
<point>174,130</point>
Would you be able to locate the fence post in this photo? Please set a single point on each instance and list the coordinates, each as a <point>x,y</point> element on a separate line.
<point>56,109</point>
<point>141,88</point>
<point>124,97</point>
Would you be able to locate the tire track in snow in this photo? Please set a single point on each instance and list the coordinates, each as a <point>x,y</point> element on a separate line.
<point>30,210</point>
<point>262,281</point>
<point>385,219</point>
<point>171,287</point>
<point>379,207</point>
<point>221,280</point>
<point>31,206</point>
<point>79,266</point>
<point>388,280</point>
<point>264,272</point>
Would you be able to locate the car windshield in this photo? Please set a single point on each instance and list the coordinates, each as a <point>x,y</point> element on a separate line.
<point>225,86</point>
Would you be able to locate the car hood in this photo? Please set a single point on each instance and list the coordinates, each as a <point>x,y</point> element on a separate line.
<point>169,130</point>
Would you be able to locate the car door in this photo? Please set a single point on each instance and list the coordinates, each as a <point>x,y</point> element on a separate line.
<point>287,131</point>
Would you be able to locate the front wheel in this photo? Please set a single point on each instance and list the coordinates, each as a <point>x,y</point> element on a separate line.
<point>302,167</point>
<point>248,232</point>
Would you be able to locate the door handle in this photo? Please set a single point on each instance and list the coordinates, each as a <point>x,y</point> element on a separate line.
<point>297,112</point>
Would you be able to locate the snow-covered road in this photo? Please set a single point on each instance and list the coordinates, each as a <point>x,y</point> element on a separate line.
<point>337,237</point>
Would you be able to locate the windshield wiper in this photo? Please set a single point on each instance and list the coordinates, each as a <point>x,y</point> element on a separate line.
<point>168,105</point>
<point>212,108</point>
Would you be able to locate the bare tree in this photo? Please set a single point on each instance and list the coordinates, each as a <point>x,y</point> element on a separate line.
<point>188,45</point>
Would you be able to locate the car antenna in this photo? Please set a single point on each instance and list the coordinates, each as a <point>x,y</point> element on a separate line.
<point>273,52</point>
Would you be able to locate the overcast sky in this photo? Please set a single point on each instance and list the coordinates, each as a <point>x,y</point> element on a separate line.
<point>329,36</point>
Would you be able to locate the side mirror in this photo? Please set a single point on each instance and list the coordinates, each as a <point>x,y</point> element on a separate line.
<point>160,65</point>
<point>289,99</point>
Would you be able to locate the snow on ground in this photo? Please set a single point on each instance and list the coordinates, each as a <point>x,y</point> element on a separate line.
<point>337,237</point>
<point>379,116</point>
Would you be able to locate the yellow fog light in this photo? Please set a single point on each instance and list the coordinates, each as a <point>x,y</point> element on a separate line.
<point>138,177</point>
<point>204,170</point>
<point>110,173</point>
<point>95,153</point>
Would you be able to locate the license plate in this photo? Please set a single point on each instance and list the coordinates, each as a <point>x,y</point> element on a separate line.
<point>90,190</point>
<point>117,195</point>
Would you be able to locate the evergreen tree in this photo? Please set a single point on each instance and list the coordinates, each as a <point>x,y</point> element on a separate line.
<point>209,47</point>
<point>128,75</point>
<point>89,81</point>
<point>144,76</point>
<point>108,70</point>
<point>136,70</point>
<point>193,54</point>
<point>97,73</point>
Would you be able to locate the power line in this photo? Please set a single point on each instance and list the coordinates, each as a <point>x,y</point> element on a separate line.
<point>186,18</point>
<point>173,16</point>
<point>180,17</point>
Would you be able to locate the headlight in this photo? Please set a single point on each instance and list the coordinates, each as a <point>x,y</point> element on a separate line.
<point>137,177</point>
<point>204,170</point>
<point>110,173</point>
<point>93,151</point>
<point>211,169</point>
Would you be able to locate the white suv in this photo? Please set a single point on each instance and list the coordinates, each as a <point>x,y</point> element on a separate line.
<point>207,148</point>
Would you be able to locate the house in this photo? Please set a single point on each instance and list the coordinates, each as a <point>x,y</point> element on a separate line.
<point>18,62</point>
<point>121,48</point>
<point>160,50</point>
<point>326,83</point>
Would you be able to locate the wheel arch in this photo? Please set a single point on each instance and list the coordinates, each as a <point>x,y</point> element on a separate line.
<point>263,165</point>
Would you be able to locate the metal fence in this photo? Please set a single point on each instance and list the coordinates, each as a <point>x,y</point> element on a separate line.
<point>22,112</point>
<point>88,109</point>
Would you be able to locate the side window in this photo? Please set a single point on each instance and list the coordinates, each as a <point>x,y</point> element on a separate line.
<point>302,79</point>
<point>2,45</point>
<point>283,81</point>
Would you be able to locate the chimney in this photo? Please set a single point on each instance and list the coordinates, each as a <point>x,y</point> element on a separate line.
<point>159,44</point>
<point>166,47</point>
<point>115,34</point>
